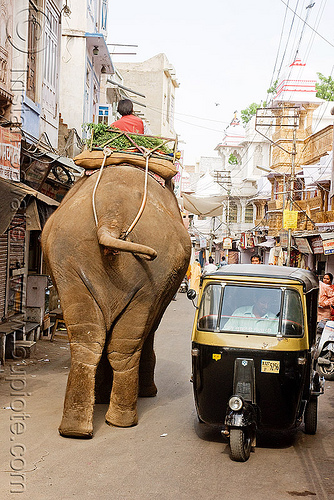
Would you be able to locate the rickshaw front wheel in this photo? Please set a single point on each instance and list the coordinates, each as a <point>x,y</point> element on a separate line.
<point>311,416</point>
<point>240,443</point>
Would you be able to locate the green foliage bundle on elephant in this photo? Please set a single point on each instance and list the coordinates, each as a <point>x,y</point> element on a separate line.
<point>113,288</point>
<point>102,134</point>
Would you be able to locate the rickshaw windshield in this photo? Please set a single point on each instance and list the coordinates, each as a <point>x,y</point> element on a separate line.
<point>249,309</point>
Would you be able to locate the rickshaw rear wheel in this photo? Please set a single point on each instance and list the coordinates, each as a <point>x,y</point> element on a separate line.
<point>311,416</point>
<point>240,443</point>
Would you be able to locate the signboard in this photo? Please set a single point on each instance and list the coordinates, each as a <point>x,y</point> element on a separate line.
<point>290,219</point>
<point>37,172</point>
<point>317,246</point>
<point>10,152</point>
<point>202,242</point>
<point>227,243</point>
<point>177,179</point>
<point>328,246</point>
<point>284,238</point>
<point>249,240</point>
<point>328,242</point>
<point>303,245</point>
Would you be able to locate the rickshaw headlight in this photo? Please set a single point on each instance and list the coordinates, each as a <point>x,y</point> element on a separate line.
<point>235,403</point>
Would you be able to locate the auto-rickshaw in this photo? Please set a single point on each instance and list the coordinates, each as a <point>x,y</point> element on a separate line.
<point>253,352</point>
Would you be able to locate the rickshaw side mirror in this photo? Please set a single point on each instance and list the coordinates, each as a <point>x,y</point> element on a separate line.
<point>191,294</point>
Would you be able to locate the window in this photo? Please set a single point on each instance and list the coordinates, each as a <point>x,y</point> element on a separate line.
<point>249,213</point>
<point>233,212</point>
<point>51,60</point>
<point>103,114</point>
<point>33,24</point>
<point>168,100</point>
<point>258,156</point>
<point>292,323</point>
<point>104,14</point>
<point>208,311</point>
<point>171,112</point>
<point>251,309</point>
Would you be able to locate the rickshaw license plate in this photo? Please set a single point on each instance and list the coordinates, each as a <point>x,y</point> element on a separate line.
<point>269,366</point>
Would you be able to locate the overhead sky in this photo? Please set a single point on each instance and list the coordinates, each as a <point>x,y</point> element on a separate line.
<point>224,54</point>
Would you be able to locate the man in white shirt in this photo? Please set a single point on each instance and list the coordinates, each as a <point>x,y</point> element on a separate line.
<point>210,268</point>
<point>256,318</point>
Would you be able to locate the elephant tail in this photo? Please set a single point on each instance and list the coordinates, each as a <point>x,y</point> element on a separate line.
<point>107,240</point>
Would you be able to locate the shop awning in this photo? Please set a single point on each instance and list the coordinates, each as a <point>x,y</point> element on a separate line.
<point>11,196</point>
<point>208,207</point>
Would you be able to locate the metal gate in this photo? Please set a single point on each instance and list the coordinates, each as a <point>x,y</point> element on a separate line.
<point>3,272</point>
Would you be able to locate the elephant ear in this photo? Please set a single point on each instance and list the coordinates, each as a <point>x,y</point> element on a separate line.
<point>107,240</point>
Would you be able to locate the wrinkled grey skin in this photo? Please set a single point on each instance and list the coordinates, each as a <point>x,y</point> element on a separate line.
<point>113,292</point>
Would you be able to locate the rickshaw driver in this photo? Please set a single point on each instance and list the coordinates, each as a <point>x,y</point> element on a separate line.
<point>254,318</point>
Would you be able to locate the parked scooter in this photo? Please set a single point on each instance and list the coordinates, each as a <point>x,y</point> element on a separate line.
<point>184,285</point>
<point>325,352</point>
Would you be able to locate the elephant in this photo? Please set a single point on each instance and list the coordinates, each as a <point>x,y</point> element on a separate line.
<point>114,288</point>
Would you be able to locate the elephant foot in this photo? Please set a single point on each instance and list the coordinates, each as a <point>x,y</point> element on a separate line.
<point>76,426</point>
<point>147,391</point>
<point>121,418</point>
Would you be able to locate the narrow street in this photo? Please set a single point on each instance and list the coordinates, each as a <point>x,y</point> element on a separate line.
<point>168,456</point>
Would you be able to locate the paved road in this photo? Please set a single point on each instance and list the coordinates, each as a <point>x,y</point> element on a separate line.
<point>167,456</point>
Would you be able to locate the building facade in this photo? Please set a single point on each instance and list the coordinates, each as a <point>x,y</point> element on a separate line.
<point>154,78</point>
<point>301,172</point>
<point>34,173</point>
<point>84,59</point>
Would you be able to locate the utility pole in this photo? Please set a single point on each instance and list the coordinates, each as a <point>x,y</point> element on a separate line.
<point>292,184</point>
<point>223,178</point>
<point>286,116</point>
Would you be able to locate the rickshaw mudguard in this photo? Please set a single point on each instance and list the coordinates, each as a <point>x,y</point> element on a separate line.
<point>242,418</point>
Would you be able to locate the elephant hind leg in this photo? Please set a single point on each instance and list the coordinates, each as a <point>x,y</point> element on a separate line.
<point>87,338</point>
<point>77,418</point>
<point>147,387</point>
<point>103,380</point>
<point>124,351</point>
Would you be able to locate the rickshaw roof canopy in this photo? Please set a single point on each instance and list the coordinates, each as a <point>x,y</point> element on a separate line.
<point>307,278</point>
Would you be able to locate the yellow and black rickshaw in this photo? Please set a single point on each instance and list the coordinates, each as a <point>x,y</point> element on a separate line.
<point>253,352</point>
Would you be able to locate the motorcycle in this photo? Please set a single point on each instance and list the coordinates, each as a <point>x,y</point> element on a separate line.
<point>325,352</point>
<point>184,285</point>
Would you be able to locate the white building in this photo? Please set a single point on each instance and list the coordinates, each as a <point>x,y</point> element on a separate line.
<point>30,37</point>
<point>233,176</point>
<point>84,57</point>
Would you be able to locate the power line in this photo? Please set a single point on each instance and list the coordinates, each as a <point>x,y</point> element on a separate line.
<point>287,42</point>
<point>325,39</point>
<point>278,50</point>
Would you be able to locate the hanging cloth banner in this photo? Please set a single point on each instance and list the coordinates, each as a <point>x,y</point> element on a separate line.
<point>208,207</point>
<point>290,219</point>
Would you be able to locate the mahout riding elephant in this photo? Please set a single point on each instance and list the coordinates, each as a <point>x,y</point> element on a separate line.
<point>113,289</point>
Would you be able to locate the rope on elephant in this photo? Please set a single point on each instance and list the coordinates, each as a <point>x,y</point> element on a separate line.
<point>147,155</point>
<point>106,152</point>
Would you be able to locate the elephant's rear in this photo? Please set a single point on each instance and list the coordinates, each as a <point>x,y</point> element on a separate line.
<point>113,300</point>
